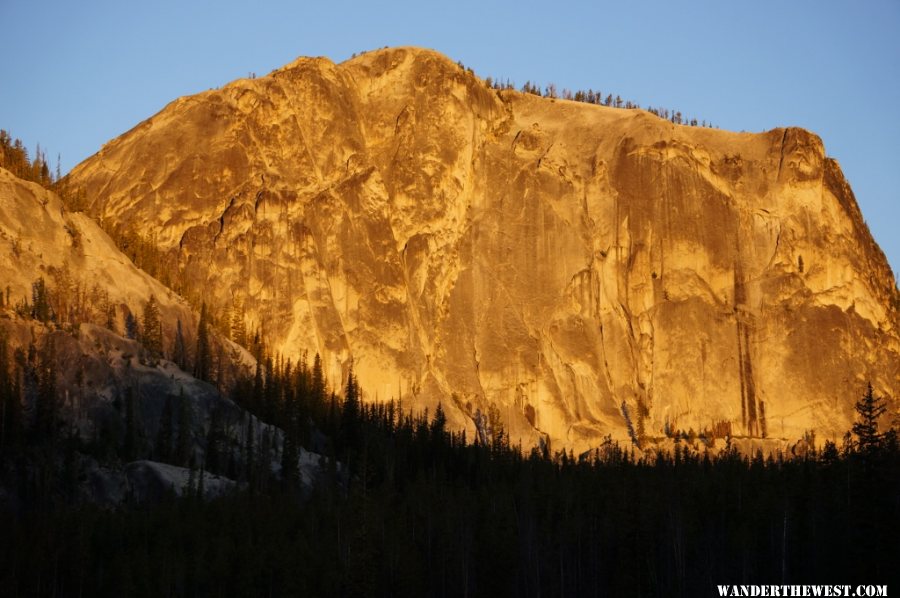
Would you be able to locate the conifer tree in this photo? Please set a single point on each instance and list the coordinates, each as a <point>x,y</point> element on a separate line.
<point>249,453</point>
<point>110,313</point>
<point>868,410</point>
<point>256,396</point>
<point>152,327</point>
<point>289,463</point>
<point>130,448</point>
<point>164,436</point>
<point>317,387</point>
<point>213,442</point>
<point>40,301</point>
<point>238,328</point>
<point>270,392</point>
<point>439,423</point>
<point>203,359</point>
<point>179,353</point>
<point>131,327</point>
<point>220,368</point>
<point>183,453</point>
<point>350,414</point>
<point>46,407</point>
<point>11,416</point>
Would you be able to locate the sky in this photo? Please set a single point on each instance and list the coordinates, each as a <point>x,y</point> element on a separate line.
<point>77,74</point>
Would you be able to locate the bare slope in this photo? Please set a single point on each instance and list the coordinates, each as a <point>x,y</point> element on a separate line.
<point>578,269</point>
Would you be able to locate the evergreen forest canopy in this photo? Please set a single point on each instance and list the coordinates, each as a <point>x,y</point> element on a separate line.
<point>406,507</point>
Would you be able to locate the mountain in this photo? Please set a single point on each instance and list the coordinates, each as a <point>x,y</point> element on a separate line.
<point>67,292</point>
<point>574,270</point>
<point>72,254</point>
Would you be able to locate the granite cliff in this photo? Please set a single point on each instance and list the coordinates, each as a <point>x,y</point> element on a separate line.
<point>90,287</point>
<point>578,270</point>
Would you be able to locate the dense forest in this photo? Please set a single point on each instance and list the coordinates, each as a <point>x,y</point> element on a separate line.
<point>406,507</point>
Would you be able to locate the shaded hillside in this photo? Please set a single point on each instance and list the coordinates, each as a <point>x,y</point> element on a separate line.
<point>101,365</point>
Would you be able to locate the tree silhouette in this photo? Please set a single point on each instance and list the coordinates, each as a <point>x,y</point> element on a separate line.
<point>203,359</point>
<point>130,426</point>
<point>131,326</point>
<point>185,441</point>
<point>40,299</point>
<point>179,353</point>
<point>164,435</point>
<point>152,336</point>
<point>868,409</point>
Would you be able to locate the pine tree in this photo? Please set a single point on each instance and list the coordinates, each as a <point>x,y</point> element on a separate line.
<point>130,431</point>
<point>263,457</point>
<point>868,410</point>
<point>256,396</point>
<point>179,353</point>
<point>131,327</point>
<point>40,301</point>
<point>317,388</point>
<point>183,454</point>
<point>11,416</point>
<point>270,392</point>
<point>220,368</point>
<point>439,423</point>
<point>238,328</point>
<point>110,314</point>
<point>202,360</point>
<point>152,336</point>
<point>350,413</point>
<point>830,452</point>
<point>164,436</point>
<point>213,441</point>
<point>289,463</point>
<point>249,453</point>
<point>46,407</point>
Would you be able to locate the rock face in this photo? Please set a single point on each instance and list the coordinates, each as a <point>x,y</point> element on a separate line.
<point>575,269</point>
<point>99,374</point>
<point>92,284</point>
<point>90,276</point>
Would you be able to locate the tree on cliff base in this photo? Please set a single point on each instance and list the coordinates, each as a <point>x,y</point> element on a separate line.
<point>868,409</point>
<point>202,362</point>
<point>152,337</point>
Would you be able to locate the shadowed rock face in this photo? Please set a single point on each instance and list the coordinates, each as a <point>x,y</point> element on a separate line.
<point>582,269</point>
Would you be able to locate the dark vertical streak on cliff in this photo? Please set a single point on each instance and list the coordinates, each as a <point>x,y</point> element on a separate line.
<point>781,161</point>
<point>749,417</point>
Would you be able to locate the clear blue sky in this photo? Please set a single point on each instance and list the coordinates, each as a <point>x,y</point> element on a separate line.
<point>76,74</point>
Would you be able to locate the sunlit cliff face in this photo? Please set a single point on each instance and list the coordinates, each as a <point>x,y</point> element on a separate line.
<point>580,271</point>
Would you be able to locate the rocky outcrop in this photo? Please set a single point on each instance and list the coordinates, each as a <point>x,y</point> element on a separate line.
<point>111,392</point>
<point>91,280</point>
<point>575,269</point>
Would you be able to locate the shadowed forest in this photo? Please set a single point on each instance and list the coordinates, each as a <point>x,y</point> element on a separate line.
<point>405,507</point>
